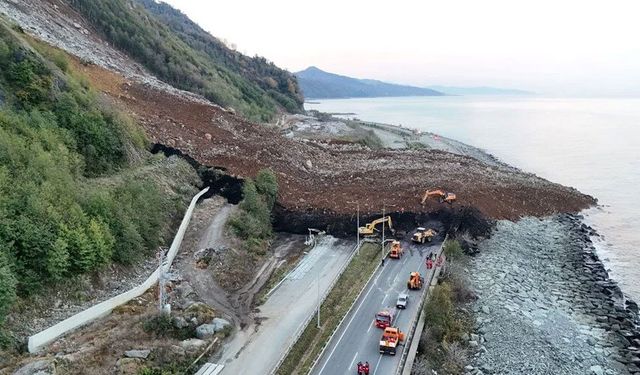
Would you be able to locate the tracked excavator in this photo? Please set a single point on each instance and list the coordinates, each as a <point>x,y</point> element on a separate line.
<point>441,195</point>
<point>370,228</point>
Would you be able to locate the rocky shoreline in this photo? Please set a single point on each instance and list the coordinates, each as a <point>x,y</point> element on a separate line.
<point>546,304</point>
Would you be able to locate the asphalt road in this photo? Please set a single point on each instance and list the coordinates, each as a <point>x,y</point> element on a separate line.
<point>257,348</point>
<point>357,339</point>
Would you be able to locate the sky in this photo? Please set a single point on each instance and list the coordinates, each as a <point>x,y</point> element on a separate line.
<point>560,47</point>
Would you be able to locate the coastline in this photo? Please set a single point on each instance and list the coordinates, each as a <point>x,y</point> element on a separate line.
<point>599,319</point>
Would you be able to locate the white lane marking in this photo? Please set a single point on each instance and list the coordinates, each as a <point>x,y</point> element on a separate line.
<point>377,364</point>
<point>353,360</point>
<point>370,325</point>
<point>346,328</point>
<point>384,299</point>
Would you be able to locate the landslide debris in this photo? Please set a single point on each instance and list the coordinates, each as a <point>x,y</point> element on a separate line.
<point>316,178</point>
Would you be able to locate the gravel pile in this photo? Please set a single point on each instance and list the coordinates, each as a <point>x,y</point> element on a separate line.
<point>546,305</point>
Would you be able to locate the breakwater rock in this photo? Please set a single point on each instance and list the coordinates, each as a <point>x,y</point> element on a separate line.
<point>546,304</point>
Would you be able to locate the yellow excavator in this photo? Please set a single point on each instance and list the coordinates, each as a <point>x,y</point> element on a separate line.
<point>371,230</point>
<point>443,196</point>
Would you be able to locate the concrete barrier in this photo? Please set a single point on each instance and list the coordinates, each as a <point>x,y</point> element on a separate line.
<point>43,338</point>
<point>417,324</point>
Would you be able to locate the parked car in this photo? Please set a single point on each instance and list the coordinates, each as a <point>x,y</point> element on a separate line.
<point>402,301</point>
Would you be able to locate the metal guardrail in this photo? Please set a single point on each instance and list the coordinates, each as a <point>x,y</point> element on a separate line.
<point>414,322</point>
<point>304,325</point>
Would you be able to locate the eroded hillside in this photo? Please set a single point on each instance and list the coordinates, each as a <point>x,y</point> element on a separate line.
<point>316,178</point>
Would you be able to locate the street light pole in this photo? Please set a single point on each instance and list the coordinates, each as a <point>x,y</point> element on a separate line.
<point>383,222</point>
<point>318,284</point>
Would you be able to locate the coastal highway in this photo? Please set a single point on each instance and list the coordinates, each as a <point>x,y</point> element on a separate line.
<point>357,338</point>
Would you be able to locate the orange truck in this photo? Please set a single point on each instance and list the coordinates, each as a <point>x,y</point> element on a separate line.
<point>396,250</point>
<point>391,338</point>
<point>415,281</point>
<point>384,318</point>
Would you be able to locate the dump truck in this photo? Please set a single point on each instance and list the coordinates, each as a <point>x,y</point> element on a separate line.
<point>443,196</point>
<point>415,281</point>
<point>384,318</point>
<point>391,338</point>
<point>396,250</point>
<point>370,228</point>
<point>423,235</point>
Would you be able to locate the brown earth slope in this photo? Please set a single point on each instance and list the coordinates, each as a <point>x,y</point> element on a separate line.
<point>314,177</point>
<point>333,178</point>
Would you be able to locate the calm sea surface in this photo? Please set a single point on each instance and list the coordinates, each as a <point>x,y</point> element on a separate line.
<point>590,144</point>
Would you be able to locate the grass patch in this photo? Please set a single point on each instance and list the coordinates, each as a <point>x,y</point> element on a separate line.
<point>301,356</point>
<point>452,250</point>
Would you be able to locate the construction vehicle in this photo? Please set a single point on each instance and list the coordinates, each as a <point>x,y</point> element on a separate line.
<point>443,196</point>
<point>396,250</point>
<point>423,235</point>
<point>391,338</point>
<point>384,318</point>
<point>371,230</point>
<point>415,281</point>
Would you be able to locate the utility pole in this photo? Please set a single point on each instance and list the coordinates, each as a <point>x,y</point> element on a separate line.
<point>383,223</point>
<point>317,280</point>
<point>161,282</point>
<point>358,229</point>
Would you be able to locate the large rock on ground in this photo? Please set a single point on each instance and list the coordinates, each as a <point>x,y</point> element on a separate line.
<point>142,354</point>
<point>220,324</point>
<point>41,367</point>
<point>205,331</point>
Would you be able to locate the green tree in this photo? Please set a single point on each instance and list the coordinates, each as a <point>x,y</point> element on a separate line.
<point>102,241</point>
<point>58,259</point>
<point>8,284</point>
<point>267,186</point>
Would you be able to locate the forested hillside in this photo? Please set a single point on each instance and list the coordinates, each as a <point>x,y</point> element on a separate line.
<point>176,50</point>
<point>61,213</point>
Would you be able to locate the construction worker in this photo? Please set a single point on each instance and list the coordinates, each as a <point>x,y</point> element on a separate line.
<point>429,264</point>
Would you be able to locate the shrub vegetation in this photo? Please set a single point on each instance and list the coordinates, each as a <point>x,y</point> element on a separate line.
<point>252,223</point>
<point>178,51</point>
<point>56,219</point>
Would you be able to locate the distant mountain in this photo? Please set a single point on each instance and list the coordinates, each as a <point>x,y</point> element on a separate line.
<point>482,90</point>
<point>318,84</point>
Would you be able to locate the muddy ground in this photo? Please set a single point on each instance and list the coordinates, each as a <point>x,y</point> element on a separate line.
<point>219,271</point>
